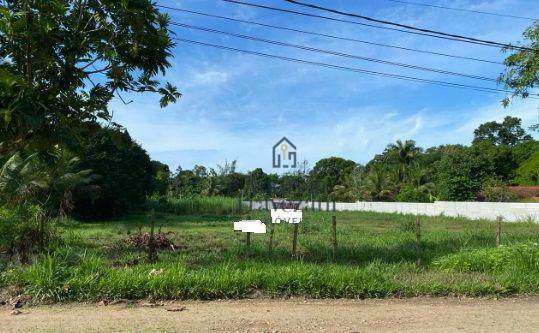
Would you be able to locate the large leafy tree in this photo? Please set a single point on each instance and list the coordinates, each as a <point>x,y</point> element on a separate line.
<point>330,172</point>
<point>461,172</point>
<point>522,67</point>
<point>61,63</point>
<point>509,132</point>
<point>124,171</point>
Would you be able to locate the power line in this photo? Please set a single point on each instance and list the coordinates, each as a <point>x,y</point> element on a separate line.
<point>283,10</point>
<point>359,23</point>
<point>339,54</point>
<point>331,36</point>
<point>462,9</point>
<point>351,69</point>
<point>406,26</point>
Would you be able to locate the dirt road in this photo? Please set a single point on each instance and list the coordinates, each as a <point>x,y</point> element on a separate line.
<point>297,315</point>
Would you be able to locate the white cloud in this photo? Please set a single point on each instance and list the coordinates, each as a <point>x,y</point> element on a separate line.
<point>209,78</point>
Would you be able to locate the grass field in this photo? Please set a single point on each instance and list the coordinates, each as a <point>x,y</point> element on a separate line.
<point>376,257</point>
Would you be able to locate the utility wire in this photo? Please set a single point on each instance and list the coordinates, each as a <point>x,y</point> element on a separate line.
<point>339,54</point>
<point>433,35</point>
<point>462,10</point>
<point>283,10</point>
<point>331,36</point>
<point>352,69</point>
<point>410,27</point>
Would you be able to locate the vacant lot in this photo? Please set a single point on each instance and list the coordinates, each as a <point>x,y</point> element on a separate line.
<point>376,257</point>
<point>402,315</point>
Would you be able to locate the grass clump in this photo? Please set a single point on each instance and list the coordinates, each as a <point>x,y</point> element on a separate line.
<point>195,205</point>
<point>511,258</point>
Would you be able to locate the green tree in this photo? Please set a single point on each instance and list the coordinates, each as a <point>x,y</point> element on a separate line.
<point>66,177</point>
<point>525,150</point>
<point>126,175</point>
<point>528,172</point>
<point>509,132</point>
<point>22,180</point>
<point>330,172</point>
<point>404,153</point>
<point>522,66</point>
<point>61,63</point>
<point>398,159</point>
<point>162,178</point>
<point>377,186</point>
<point>30,180</point>
<point>461,172</point>
<point>257,184</point>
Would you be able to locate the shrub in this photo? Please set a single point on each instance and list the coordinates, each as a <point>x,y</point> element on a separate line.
<point>494,190</point>
<point>23,230</point>
<point>411,194</point>
<point>461,172</point>
<point>528,172</point>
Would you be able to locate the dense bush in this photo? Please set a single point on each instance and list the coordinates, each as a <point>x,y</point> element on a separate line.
<point>494,190</point>
<point>528,172</point>
<point>24,230</point>
<point>460,173</point>
<point>126,176</point>
<point>411,194</point>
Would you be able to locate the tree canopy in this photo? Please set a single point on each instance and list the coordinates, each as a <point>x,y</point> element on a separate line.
<point>61,63</point>
<point>509,132</point>
<point>522,66</point>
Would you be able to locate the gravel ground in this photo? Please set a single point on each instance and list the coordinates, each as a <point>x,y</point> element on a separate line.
<point>292,315</point>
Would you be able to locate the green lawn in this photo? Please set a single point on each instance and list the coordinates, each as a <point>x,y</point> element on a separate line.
<point>376,257</point>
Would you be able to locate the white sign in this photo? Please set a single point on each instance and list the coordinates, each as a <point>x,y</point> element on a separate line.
<point>286,216</point>
<point>253,226</point>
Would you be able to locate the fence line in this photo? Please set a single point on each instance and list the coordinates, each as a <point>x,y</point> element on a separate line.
<point>510,211</point>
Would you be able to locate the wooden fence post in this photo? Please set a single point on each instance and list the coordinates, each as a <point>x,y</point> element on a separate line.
<point>295,240</point>
<point>418,239</point>
<point>334,233</point>
<point>272,232</point>
<point>247,244</point>
<point>498,230</point>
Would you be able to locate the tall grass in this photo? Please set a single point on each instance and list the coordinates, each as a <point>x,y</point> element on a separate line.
<point>195,205</point>
<point>52,279</point>
<point>376,257</point>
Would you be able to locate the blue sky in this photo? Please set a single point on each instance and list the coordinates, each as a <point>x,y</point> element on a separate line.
<point>236,106</point>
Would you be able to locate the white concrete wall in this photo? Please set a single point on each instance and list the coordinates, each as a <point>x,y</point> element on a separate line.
<point>511,212</point>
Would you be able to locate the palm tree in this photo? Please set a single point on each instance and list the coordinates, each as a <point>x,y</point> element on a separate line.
<point>24,180</point>
<point>377,185</point>
<point>21,179</point>
<point>66,177</point>
<point>404,154</point>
